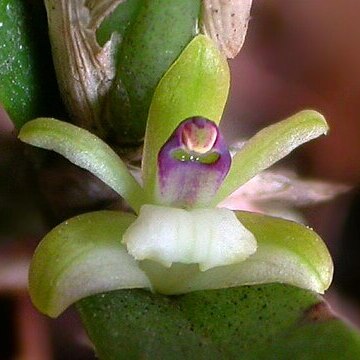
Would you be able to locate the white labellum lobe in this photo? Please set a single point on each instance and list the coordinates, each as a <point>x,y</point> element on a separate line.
<point>208,237</point>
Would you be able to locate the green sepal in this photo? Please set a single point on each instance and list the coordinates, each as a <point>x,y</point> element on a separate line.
<point>80,257</point>
<point>87,151</point>
<point>197,84</point>
<point>269,146</point>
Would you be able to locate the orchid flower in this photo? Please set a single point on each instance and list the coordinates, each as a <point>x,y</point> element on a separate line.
<point>177,240</point>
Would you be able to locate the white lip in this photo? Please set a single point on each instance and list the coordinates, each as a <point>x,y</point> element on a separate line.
<point>208,237</point>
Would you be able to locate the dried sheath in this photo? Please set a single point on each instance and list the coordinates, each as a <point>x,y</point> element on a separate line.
<point>84,69</point>
<point>226,22</point>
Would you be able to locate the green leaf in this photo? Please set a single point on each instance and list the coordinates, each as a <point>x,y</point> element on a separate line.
<point>118,21</point>
<point>150,45</point>
<point>287,253</point>
<point>269,146</point>
<point>80,257</point>
<point>87,151</point>
<point>197,84</point>
<point>269,322</point>
<point>27,81</point>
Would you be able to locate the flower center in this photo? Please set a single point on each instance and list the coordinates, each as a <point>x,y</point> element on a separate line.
<point>199,135</point>
<point>192,164</point>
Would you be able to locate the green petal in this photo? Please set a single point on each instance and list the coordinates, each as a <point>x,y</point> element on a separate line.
<point>269,146</point>
<point>287,253</point>
<point>197,84</point>
<point>81,257</point>
<point>87,151</point>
